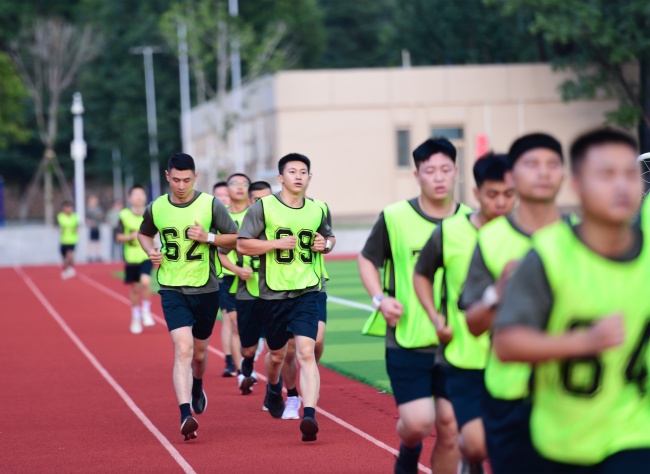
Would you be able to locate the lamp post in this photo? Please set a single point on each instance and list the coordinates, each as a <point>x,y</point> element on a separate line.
<point>147,54</point>
<point>235,69</point>
<point>78,154</point>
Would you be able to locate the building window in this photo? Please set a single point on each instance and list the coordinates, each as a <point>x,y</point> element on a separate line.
<point>404,148</point>
<point>455,136</point>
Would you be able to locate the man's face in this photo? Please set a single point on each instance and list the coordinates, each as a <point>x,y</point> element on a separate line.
<point>609,183</point>
<point>437,177</point>
<point>259,194</point>
<point>496,197</point>
<point>137,197</point>
<point>181,182</point>
<point>238,188</point>
<point>295,177</point>
<point>221,193</point>
<point>538,175</point>
<point>67,209</point>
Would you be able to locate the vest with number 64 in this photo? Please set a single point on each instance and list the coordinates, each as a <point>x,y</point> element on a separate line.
<point>185,261</point>
<point>586,409</point>
<point>293,269</point>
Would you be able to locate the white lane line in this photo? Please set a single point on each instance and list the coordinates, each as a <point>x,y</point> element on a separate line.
<point>352,304</point>
<point>219,353</point>
<point>107,376</point>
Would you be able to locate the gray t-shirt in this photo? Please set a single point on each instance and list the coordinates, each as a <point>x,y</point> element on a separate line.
<point>221,222</point>
<point>528,300</point>
<point>478,275</point>
<point>377,250</point>
<point>254,227</point>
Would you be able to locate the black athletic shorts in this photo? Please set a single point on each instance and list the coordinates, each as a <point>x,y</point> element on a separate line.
<point>466,390</point>
<point>133,271</point>
<point>282,318</point>
<point>198,311</point>
<point>227,300</point>
<point>507,433</point>
<point>414,375</point>
<point>632,461</point>
<point>94,233</point>
<point>65,248</point>
<point>322,306</point>
<point>249,322</point>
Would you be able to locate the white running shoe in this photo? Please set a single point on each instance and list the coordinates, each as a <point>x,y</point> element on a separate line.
<point>147,319</point>
<point>136,326</point>
<point>291,409</point>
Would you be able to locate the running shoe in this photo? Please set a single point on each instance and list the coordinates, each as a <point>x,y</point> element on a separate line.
<point>291,409</point>
<point>200,404</point>
<point>189,427</point>
<point>136,326</point>
<point>274,403</point>
<point>245,384</point>
<point>147,319</point>
<point>308,428</point>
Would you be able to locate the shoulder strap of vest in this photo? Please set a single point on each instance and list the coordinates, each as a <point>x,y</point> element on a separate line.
<point>443,286</point>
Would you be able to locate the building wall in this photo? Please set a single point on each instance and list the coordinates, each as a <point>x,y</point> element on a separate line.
<point>346,121</point>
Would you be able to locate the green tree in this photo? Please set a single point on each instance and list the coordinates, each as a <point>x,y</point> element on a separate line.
<point>359,33</point>
<point>605,43</point>
<point>465,32</point>
<point>12,98</point>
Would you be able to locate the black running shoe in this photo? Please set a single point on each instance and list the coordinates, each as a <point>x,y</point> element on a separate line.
<point>229,371</point>
<point>274,402</point>
<point>189,427</point>
<point>309,428</point>
<point>200,404</point>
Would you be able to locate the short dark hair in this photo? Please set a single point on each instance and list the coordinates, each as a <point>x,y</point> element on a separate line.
<point>599,136</point>
<point>136,186</point>
<point>181,162</point>
<point>219,184</point>
<point>432,146</point>
<point>65,203</point>
<point>293,157</point>
<point>530,141</point>
<point>491,167</point>
<point>258,186</point>
<point>238,174</point>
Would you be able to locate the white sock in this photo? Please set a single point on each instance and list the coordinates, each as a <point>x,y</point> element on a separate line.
<point>135,312</point>
<point>146,306</point>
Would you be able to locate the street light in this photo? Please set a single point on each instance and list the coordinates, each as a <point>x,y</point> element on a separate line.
<point>147,54</point>
<point>78,153</point>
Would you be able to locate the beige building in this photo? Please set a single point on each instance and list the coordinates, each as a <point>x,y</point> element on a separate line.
<point>358,126</point>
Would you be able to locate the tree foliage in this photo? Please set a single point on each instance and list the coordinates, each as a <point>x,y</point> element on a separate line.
<point>605,43</point>
<point>12,98</point>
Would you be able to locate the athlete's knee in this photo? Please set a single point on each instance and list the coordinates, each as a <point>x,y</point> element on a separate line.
<point>248,352</point>
<point>472,441</point>
<point>415,428</point>
<point>184,350</point>
<point>306,353</point>
<point>276,356</point>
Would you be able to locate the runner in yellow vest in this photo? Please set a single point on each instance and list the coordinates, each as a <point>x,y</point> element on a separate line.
<point>290,367</point>
<point>191,225</point>
<point>285,230</point>
<point>450,248</point>
<point>238,184</point>
<point>537,172</point>
<point>411,341</point>
<point>249,318</point>
<point>137,266</point>
<point>576,307</point>
<point>68,222</point>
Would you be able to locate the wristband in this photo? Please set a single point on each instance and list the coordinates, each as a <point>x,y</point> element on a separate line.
<point>490,297</point>
<point>210,238</point>
<point>376,301</point>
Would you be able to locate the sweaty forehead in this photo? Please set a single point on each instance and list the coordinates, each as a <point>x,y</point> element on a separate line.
<point>180,174</point>
<point>297,165</point>
<point>438,159</point>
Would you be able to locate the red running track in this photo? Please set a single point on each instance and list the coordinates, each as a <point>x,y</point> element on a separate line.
<point>82,394</point>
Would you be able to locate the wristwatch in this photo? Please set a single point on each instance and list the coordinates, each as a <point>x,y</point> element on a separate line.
<point>490,297</point>
<point>328,245</point>
<point>376,301</point>
<point>210,238</point>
